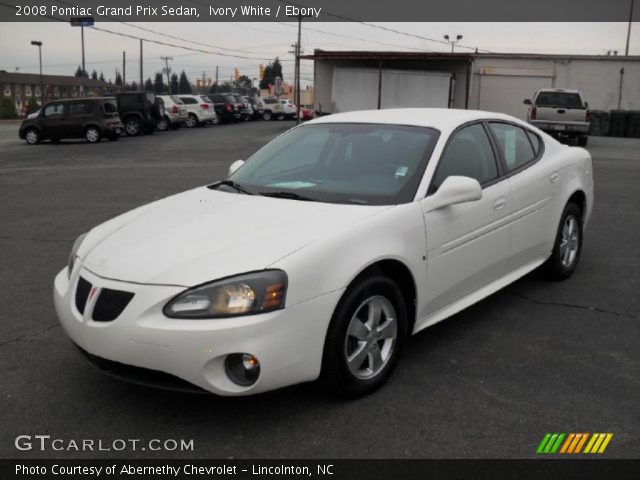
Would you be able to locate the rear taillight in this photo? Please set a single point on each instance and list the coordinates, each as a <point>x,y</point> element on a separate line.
<point>588,115</point>
<point>229,108</point>
<point>204,106</point>
<point>174,109</point>
<point>533,113</point>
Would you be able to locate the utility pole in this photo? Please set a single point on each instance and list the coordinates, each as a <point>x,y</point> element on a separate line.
<point>166,62</point>
<point>124,68</point>
<point>39,45</point>
<point>204,82</point>
<point>141,80</point>
<point>216,75</point>
<point>297,94</point>
<point>626,50</point>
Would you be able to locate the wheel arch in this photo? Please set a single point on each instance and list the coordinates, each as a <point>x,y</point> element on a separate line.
<point>579,197</point>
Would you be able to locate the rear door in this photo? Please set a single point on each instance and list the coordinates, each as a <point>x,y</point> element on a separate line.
<point>468,243</point>
<point>534,184</point>
<point>81,112</point>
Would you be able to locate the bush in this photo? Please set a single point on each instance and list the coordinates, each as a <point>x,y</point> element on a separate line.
<point>7,108</point>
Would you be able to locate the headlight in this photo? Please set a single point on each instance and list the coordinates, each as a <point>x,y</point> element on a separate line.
<point>74,254</point>
<point>245,294</point>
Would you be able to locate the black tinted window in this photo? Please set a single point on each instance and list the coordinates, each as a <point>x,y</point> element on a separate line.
<point>188,100</point>
<point>469,154</point>
<point>80,108</point>
<point>559,99</point>
<point>514,144</point>
<point>130,102</point>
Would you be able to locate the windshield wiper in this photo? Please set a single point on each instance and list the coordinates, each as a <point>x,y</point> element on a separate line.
<point>289,195</point>
<point>234,185</point>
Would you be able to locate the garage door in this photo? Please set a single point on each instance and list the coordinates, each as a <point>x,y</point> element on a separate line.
<point>505,93</point>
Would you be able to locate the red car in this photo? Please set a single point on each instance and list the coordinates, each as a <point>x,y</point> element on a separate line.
<point>306,113</point>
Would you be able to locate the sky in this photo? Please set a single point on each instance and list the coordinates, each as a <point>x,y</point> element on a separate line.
<point>247,45</point>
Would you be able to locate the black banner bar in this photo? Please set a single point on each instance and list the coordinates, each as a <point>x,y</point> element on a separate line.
<point>319,10</point>
<point>546,469</point>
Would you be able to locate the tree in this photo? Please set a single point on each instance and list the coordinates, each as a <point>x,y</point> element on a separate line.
<point>224,87</point>
<point>174,84</point>
<point>94,75</point>
<point>158,85</point>
<point>101,77</point>
<point>7,108</point>
<point>118,79</point>
<point>148,85</point>
<point>81,73</point>
<point>133,86</point>
<point>271,71</point>
<point>183,85</point>
<point>32,106</point>
<point>244,86</point>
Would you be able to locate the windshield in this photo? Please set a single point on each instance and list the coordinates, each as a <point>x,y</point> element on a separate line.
<point>342,163</point>
<point>559,99</point>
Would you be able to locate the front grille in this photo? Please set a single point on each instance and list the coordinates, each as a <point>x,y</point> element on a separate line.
<point>82,294</point>
<point>110,304</point>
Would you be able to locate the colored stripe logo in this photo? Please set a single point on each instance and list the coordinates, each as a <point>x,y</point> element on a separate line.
<point>574,443</point>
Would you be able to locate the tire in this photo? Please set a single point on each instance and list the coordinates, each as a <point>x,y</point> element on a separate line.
<point>567,246</point>
<point>373,354</point>
<point>132,126</point>
<point>192,121</point>
<point>216,120</point>
<point>280,117</point>
<point>163,124</point>
<point>582,140</point>
<point>32,136</point>
<point>92,134</point>
<point>267,115</point>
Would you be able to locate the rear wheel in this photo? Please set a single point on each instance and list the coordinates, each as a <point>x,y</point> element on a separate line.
<point>32,136</point>
<point>163,124</point>
<point>568,244</point>
<point>192,121</point>
<point>132,127</point>
<point>266,115</point>
<point>92,134</point>
<point>365,337</point>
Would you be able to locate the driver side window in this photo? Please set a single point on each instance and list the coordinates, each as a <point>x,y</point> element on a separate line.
<point>55,109</point>
<point>468,154</point>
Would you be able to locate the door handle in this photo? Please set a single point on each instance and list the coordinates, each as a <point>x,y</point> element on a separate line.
<point>499,203</point>
<point>553,178</point>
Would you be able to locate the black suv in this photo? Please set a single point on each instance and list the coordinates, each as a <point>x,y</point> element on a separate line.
<point>140,111</point>
<point>226,108</point>
<point>90,118</point>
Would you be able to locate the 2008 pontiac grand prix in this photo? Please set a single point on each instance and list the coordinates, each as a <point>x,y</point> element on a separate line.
<point>321,253</point>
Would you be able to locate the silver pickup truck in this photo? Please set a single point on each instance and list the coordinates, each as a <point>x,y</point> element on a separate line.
<point>560,112</point>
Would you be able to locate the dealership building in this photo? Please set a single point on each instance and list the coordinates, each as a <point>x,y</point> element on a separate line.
<point>354,80</point>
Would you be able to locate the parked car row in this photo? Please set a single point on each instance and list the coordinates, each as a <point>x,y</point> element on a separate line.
<point>136,113</point>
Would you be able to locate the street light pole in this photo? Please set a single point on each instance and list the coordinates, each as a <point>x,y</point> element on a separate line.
<point>626,50</point>
<point>452,42</point>
<point>39,45</point>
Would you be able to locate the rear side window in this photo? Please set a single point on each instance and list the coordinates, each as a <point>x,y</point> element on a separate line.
<point>54,110</point>
<point>188,100</point>
<point>514,144</point>
<point>559,99</point>
<point>110,107</point>
<point>175,99</point>
<point>468,154</point>
<point>80,108</point>
<point>535,141</point>
<point>130,102</point>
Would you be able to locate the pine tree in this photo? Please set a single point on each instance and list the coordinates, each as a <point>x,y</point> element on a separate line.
<point>118,79</point>
<point>174,84</point>
<point>184,86</point>
<point>271,71</point>
<point>94,75</point>
<point>148,85</point>
<point>158,85</point>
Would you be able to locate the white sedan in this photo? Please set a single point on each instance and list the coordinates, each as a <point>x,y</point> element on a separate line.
<point>320,254</point>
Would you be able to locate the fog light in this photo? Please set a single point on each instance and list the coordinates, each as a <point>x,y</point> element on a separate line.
<point>242,369</point>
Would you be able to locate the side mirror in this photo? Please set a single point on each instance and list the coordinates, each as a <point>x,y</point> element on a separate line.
<point>235,166</point>
<point>455,190</point>
<point>527,101</point>
<point>586,104</point>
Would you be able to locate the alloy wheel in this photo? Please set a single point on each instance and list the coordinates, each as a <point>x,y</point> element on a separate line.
<point>570,241</point>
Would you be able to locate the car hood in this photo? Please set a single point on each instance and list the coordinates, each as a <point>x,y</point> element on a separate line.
<point>204,234</point>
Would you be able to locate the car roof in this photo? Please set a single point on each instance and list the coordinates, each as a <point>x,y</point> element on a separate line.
<point>439,118</point>
<point>559,90</point>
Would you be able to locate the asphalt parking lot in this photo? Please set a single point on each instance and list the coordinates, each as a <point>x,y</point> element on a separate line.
<point>490,382</point>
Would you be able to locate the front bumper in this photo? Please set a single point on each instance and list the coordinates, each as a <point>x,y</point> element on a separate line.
<point>288,343</point>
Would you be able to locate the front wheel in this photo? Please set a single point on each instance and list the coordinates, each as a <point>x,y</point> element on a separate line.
<point>163,124</point>
<point>32,136</point>
<point>568,244</point>
<point>266,115</point>
<point>365,337</point>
